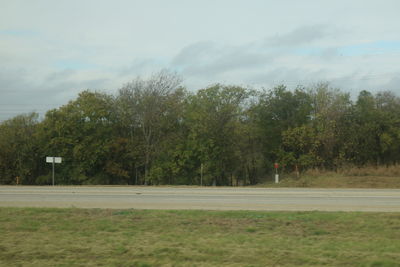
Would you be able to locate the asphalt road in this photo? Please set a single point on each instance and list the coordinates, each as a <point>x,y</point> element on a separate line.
<point>207,198</point>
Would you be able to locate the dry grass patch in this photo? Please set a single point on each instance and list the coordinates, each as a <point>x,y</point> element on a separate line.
<point>378,171</point>
<point>350,177</point>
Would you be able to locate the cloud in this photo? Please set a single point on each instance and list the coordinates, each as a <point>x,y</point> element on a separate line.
<point>393,84</point>
<point>50,51</point>
<point>211,60</point>
<point>140,67</point>
<point>199,51</point>
<point>20,95</point>
<point>300,57</point>
<point>207,59</point>
<point>299,36</point>
<point>290,76</point>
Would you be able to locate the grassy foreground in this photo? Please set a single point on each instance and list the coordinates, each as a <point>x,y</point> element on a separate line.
<point>94,237</point>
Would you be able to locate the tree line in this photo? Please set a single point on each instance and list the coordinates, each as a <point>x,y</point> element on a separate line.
<point>154,131</point>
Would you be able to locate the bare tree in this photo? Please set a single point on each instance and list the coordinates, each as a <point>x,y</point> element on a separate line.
<point>146,106</point>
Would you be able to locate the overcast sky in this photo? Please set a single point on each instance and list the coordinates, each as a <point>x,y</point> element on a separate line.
<point>51,50</point>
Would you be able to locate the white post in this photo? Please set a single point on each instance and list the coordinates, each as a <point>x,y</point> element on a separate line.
<point>276,166</point>
<point>276,178</point>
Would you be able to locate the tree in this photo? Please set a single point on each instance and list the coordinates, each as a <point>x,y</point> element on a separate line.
<point>150,112</point>
<point>299,147</point>
<point>212,117</point>
<point>365,139</point>
<point>82,132</point>
<point>329,111</point>
<point>19,150</point>
<point>250,166</point>
<point>279,110</point>
<point>377,119</point>
<point>388,105</point>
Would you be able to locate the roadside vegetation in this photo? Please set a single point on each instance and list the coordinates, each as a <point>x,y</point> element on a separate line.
<point>153,131</point>
<point>94,237</point>
<point>349,177</point>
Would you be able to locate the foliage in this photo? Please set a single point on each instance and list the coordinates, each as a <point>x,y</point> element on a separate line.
<point>154,131</point>
<point>19,150</point>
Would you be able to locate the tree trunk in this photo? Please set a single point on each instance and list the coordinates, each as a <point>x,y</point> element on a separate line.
<point>297,171</point>
<point>146,166</point>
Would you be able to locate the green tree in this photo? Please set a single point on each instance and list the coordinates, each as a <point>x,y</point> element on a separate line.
<point>212,117</point>
<point>330,110</point>
<point>279,110</point>
<point>19,150</point>
<point>299,147</point>
<point>377,120</point>
<point>82,132</point>
<point>388,105</point>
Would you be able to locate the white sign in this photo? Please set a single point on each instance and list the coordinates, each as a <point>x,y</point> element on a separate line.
<point>53,159</point>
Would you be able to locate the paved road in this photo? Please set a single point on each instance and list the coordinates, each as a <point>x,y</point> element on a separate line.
<point>209,198</point>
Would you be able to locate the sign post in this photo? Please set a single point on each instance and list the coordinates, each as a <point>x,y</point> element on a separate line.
<point>53,160</point>
<point>276,166</point>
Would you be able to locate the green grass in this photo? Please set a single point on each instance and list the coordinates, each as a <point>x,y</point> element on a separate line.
<point>95,237</point>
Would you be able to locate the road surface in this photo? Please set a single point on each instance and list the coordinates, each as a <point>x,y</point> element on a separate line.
<point>207,198</point>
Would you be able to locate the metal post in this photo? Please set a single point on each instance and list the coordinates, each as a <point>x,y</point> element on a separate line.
<point>136,177</point>
<point>201,174</point>
<point>53,161</point>
<point>53,170</point>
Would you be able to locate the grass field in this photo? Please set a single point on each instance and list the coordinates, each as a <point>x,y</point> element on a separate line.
<point>94,237</point>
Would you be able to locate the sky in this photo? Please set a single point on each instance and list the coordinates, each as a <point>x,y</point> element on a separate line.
<point>52,50</point>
